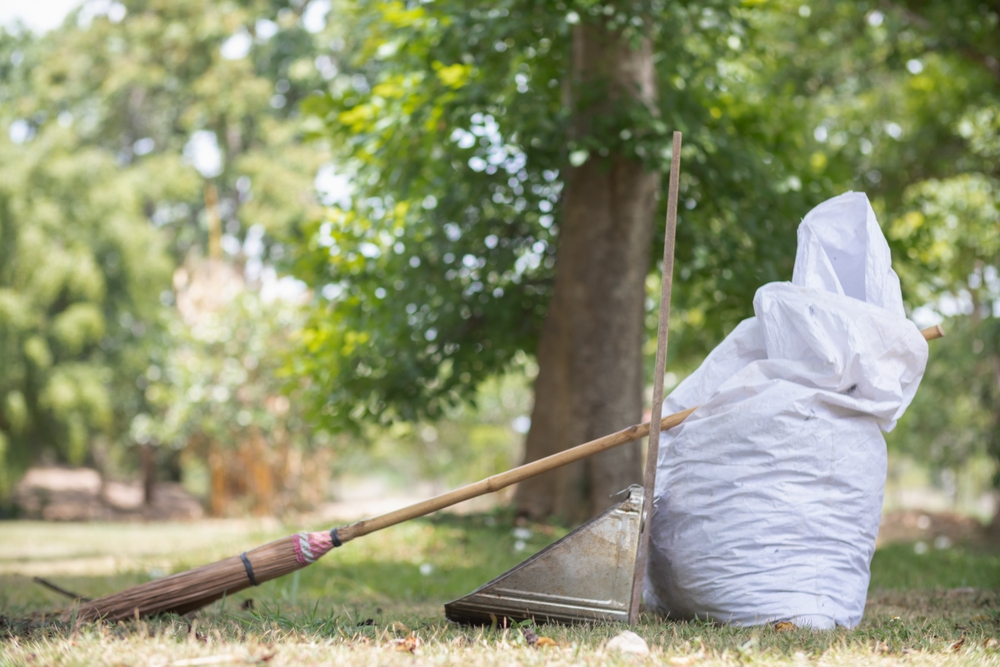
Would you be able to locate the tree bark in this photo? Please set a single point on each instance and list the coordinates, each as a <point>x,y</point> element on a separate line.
<point>589,354</point>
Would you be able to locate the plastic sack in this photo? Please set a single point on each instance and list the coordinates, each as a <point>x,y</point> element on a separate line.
<point>768,496</point>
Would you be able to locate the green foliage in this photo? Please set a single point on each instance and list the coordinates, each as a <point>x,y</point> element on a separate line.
<point>465,444</point>
<point>106,190</point>
<point>453,124</point>
<point>220,380</point>
<point>81,272</point>
<point>150,88</point>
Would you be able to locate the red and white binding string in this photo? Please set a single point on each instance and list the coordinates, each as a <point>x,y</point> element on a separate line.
<point>311,546</point>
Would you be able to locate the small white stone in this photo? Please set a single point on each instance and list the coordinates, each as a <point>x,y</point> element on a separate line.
<point>628,642</point>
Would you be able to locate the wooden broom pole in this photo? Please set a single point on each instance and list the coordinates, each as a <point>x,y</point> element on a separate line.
<point>521,473</point>
<point>653,448</point>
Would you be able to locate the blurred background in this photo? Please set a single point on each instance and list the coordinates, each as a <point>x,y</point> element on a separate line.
<point>277,258</point>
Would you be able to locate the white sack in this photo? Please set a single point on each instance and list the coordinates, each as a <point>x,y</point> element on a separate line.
<point>768,496</point>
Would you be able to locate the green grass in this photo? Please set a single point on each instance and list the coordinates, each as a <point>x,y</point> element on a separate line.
<point>358,604</point>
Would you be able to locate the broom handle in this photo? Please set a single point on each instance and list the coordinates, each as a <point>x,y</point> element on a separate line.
<point>521,473</point>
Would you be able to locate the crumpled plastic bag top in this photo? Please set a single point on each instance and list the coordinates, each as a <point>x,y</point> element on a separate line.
<point>768,496</point>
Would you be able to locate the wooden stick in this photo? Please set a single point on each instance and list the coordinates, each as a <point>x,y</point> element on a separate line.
<point>653,447</point>
<point>521,473</point>
<point>930,333</point>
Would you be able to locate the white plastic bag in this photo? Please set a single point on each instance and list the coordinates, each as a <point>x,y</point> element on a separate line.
<point>768,496</point>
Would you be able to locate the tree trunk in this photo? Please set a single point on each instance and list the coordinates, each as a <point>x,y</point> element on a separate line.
<point>590,351</point>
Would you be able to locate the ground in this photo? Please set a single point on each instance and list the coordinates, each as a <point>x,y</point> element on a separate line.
<point>379,600</point>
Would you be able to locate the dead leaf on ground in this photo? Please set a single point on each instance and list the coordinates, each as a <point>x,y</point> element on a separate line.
<point>533,639</point>
<point>991,643</point>
<point>685,660</point>
<point>784,626</point>
<point>957,645</point>
<point>411,643</point>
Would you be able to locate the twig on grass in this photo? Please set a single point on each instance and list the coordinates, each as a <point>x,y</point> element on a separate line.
<point>61,591</point>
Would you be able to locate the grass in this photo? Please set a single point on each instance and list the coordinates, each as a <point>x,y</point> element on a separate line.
<point>374,600</point>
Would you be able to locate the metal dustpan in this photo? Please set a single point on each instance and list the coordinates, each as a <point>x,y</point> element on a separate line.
<point>594,573</point>
<point>585,577</point>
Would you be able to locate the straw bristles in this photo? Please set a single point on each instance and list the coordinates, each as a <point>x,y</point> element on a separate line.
<point>191,590</point>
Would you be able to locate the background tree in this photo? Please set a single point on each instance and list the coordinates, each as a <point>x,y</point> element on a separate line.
<point>918,123</point>
<point>219,397</point>
<point>142,135</point>
<point>479,139</point>
<point>476,147</point>
<point>81,273</point>
<point>498,164</point>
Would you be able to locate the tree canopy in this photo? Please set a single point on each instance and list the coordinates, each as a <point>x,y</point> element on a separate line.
<point>454,124</point>
<point>136,138</point>
<point>451,121</point>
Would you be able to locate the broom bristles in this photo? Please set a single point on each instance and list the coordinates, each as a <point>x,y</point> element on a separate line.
<point>191,590</point>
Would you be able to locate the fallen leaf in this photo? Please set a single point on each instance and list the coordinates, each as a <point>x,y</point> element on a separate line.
<point>411,643</point>
<point>685,660</point>
<point>991,643</point>
<point>628,642</point>
<point>545,641</point>
<point>957,645</point>
<point>784,626</point>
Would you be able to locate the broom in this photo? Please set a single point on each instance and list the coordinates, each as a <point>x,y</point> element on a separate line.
<point>188,591</point>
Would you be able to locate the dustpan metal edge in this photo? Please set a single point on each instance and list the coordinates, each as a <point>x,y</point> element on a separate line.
<point>492,600</point>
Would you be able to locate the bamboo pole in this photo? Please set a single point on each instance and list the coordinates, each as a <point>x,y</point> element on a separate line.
<point>662,333</point>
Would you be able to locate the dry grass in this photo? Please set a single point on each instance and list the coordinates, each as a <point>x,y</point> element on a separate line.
<point>378,601</point>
